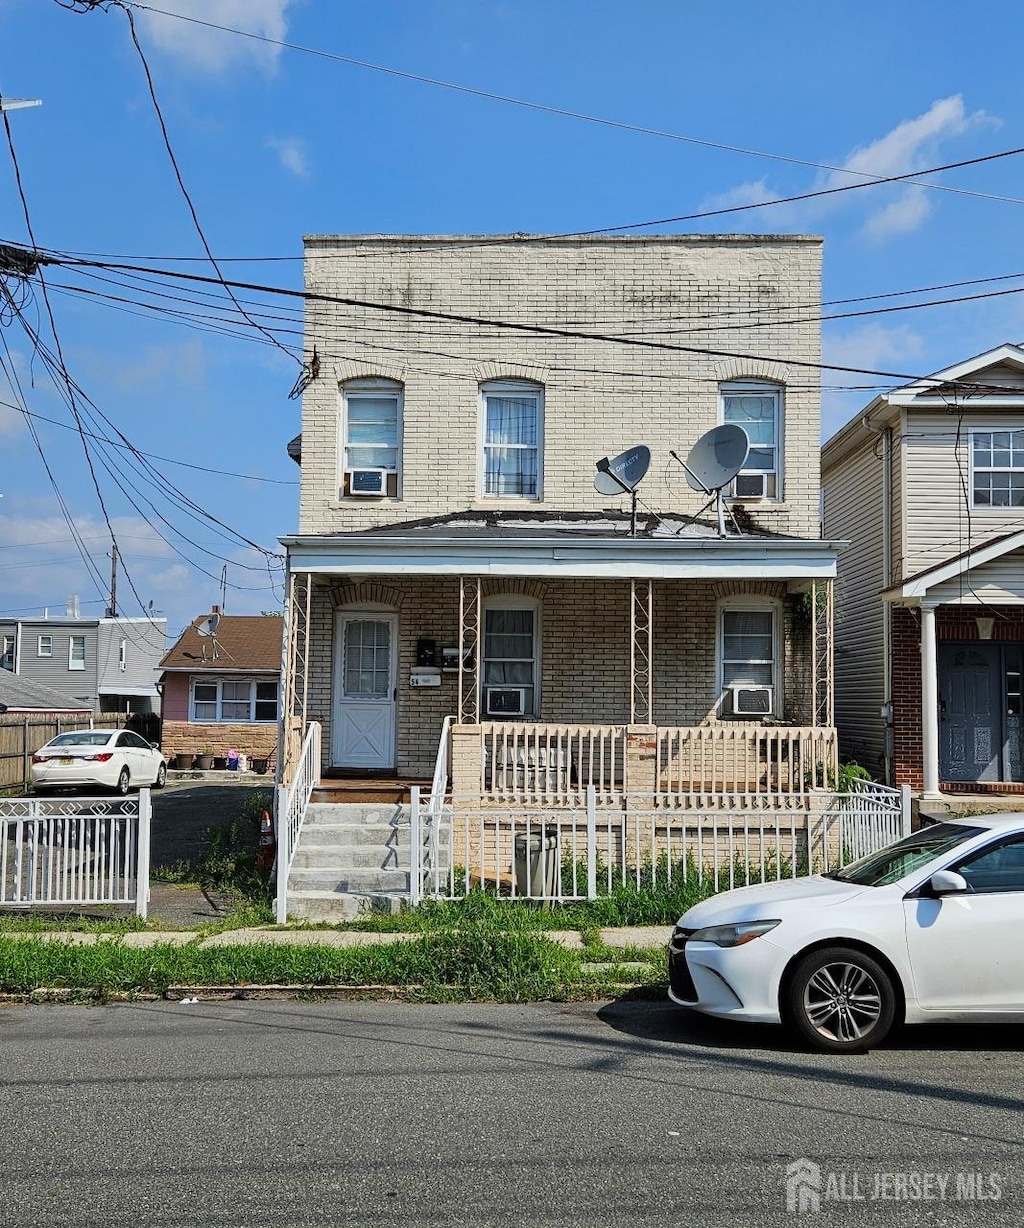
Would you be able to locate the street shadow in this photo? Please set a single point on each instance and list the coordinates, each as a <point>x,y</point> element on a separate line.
<point>666,1023</point>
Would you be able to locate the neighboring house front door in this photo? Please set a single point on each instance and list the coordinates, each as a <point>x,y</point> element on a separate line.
<point>363,719</point>
<point>980,706</point>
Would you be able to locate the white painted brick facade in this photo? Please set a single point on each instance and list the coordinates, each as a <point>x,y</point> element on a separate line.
<point>713,292</point>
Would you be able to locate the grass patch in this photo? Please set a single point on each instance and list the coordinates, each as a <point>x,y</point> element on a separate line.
<point>477,963</point>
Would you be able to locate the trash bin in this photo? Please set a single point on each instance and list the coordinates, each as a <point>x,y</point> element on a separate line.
<point>537,864</point>
<point>232,760</point>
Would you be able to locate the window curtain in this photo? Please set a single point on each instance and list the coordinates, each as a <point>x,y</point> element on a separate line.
<point>510,445</point>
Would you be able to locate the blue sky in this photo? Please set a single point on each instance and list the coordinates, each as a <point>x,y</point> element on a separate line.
<point>275,143</point>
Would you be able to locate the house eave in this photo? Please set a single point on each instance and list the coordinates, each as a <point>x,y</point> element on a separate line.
<point>631,558</point>
<point>915,589</point>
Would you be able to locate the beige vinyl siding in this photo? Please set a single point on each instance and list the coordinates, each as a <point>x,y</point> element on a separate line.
<point>999,582</point>
<point>853,513</point>
<point>940,524</point>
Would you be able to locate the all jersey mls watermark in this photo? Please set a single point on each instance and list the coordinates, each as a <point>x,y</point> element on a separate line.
<point>809,1186</point>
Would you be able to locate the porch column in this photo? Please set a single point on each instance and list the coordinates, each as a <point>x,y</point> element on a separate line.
<point>641,699</point>
<point>470,647</point>
<point>929,702</point>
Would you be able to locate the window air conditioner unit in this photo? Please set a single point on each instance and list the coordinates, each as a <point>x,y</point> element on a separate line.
<point>752,700</point>
<point>505,700</point>
<point>367,481</point>
<point>750,485</point>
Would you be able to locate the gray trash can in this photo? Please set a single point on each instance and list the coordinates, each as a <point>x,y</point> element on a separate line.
<point>537,864</point>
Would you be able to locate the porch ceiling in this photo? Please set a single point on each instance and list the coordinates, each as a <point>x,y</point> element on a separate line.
<point>490,544</point>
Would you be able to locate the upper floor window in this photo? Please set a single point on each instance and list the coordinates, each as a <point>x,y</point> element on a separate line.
<point>122,655</point>
<point>76,652</point>
<point>371,434</point>
<point>512,429</point>
<point>997,463</point>
<point>757,407</point>
<point>44,646</point>
<point>7,653</point>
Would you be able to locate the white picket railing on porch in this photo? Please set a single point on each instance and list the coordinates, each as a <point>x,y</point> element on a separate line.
<point>75,852</point>
<point>572,853</point>
<point>715,765</point>
<point>290,812</point>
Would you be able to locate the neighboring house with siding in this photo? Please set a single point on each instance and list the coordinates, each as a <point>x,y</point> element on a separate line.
<point>108,663</point>
<point>20,697</point>
<point>453,557</point>
<point>927,484</point>
<point>220,691</point>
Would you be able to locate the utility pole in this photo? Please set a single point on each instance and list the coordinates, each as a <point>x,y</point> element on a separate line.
<point>112,611</point>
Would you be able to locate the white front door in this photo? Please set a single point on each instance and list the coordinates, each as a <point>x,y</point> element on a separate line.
<point>363,721</point>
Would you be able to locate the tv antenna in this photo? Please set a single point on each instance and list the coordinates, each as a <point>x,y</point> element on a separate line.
<point>712,463</point>
<point>622,475</point>
<point>207,629</point>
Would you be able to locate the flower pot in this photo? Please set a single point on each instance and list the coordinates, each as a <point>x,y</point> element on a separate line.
<point>259,766</point>
<point>204,762</point>
<point>220,763</point>
<point>183,761</point>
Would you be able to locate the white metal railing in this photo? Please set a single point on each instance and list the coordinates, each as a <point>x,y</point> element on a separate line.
<point>553,763</point>
<point>737,760</point>
<point>75,851</point>
<point>290,811</point>
<point>584,851</point>
<point>426,822</point>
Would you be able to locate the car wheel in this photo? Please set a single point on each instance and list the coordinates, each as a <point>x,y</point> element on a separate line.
<point>161,776</point>
<point>123,781</point>
<point>840,1000</point>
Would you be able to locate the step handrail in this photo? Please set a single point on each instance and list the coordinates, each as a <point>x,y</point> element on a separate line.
<point>291,808</point>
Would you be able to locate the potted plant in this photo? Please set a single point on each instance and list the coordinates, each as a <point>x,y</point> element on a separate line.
<point>204,761</point>
<point>183,760</point>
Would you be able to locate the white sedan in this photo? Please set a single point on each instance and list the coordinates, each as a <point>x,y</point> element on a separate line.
<point>109,758</point>
<point>930,928</point>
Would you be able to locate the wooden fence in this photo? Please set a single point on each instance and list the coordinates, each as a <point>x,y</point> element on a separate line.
<point>22,736</point>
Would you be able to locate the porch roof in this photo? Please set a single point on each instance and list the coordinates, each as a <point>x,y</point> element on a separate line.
<point>563,544</point>
<point>923,584</point>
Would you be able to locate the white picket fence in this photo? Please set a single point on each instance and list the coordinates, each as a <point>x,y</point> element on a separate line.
<point>70,852</point>
<point>583,852</point>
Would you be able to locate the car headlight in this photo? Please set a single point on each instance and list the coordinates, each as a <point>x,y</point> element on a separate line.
<point>733,935</point>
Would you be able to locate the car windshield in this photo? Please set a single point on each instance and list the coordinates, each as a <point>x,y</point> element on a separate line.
<point>893,863</point>
<point>85,737</point>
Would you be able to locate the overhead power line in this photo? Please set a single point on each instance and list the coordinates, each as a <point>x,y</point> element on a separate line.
<point>526,104</point>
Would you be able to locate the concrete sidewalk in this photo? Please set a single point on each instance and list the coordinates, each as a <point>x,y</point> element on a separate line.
<point>640,937</point>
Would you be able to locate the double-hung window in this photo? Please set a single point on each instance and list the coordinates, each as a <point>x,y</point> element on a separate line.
<point>44,646</point>
<point>510,665</point>
<point>7,652</point>
<point>76,652</point>
<point>757,407</point>
<point>997,464</point>
<point>371,434</point>
<point>747,648</point>
<point>512,432</point>
<point>234,700</point>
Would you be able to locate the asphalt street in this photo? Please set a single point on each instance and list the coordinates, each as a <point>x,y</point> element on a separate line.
<point>270,1113</point>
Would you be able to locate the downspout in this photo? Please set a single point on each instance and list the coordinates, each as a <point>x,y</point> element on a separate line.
<point>887,700</point>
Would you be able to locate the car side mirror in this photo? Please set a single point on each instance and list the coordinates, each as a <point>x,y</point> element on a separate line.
<point>947,882</point>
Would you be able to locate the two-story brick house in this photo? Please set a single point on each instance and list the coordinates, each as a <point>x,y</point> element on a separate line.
<point>927,483</point>
<point>109,663</point>
<point>454,558</point>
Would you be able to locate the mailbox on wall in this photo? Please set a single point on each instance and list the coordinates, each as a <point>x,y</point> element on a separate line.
<point>426,652</point>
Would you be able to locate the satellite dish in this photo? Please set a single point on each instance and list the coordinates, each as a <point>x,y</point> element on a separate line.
<point>209,625</point>
<point>717,457</point>
<point>621,475</point>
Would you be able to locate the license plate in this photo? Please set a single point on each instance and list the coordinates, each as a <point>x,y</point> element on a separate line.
<point>65,762</point>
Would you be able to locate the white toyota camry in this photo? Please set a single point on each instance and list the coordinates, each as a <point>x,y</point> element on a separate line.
<point>930,928</point>
<point>111,758</point>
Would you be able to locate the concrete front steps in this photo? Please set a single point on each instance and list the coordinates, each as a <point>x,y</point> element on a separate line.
<point>352,858</point>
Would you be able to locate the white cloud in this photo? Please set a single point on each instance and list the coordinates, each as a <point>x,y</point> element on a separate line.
<point>213,51</point>
<point>871,347</point>
<point>292,153</point>
<point>911,146</point>
<point>753,192</point>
